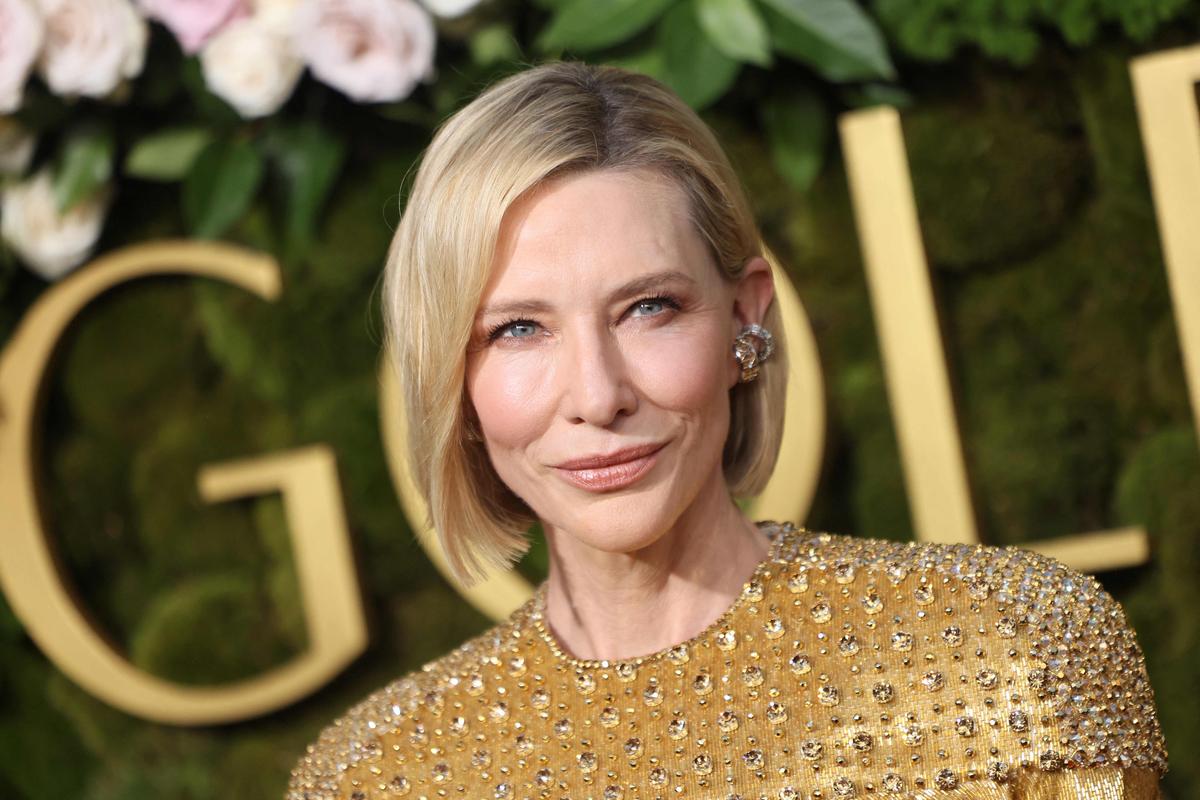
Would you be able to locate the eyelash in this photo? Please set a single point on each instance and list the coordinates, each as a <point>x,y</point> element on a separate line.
<point>667,300</point>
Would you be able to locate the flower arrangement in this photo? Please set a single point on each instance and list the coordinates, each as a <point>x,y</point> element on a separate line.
<point>80,80</point>
<point>252,54</point>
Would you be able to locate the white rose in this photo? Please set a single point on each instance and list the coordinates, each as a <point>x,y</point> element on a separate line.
<point>371,50</point>
<point>16,147</point>
<point>449,8</point>
<point>250,67</point>
<point>20,40</point>
<point>276,14</point>
<point>50,244</point>
<point>91,45</point>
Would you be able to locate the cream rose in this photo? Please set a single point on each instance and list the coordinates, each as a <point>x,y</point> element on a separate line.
<point>20,41</point>
<point>449,8</point>
<point>16,147</point>
<point>371,50</point>
<point>91,45</point>
<point>276,14</point>
<point>250,67</point>
<point>50,244</point>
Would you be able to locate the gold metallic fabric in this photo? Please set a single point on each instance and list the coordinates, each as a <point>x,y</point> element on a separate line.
<point>846,667</point>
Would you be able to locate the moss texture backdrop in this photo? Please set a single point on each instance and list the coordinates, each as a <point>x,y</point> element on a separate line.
<point>1062,347</point>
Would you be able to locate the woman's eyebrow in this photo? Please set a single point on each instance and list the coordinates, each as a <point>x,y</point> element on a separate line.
<point>639,285</point>
<point>650,283</point>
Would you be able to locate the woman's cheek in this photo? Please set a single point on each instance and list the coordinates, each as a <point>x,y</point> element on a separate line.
<point>679,370</point>
<point>512,397</point>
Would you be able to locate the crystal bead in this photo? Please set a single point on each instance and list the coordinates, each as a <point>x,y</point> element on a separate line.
<point>752,675</point>
<point>945,779</point>
<point>811,749</point>
<point>872,603</point>
<point>610,717</point>
<point>933,680</point>
<point>843,787</point>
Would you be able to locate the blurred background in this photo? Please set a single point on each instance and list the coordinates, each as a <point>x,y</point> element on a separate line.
<point>291,127</point>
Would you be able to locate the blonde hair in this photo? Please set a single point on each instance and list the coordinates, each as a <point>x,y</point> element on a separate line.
<point>546,121</point>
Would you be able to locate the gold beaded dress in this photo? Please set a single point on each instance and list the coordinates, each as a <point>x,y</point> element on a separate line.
<point>846,667</point>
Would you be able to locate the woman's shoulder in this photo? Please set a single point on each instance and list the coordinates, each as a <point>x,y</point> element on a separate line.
<point>1033,589</point>
<point>1047,637</point>
<point>392,712</point>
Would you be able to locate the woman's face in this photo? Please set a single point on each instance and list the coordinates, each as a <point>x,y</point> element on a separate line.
<point>606,327</point>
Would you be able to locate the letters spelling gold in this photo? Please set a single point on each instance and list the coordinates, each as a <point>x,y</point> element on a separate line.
<point>33,584</point>
<point>918,387</point>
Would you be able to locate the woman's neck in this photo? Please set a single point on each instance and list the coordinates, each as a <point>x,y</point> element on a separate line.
<point>603,605</point>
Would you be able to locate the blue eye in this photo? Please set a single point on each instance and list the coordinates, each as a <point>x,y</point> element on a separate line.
<point>653,306</point>
<point>518,328</point>
<point>657,305</point>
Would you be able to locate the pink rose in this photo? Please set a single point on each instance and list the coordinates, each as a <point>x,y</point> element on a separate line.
<point>20,40</point>
<point>194,21</point>
<point>371,50</point>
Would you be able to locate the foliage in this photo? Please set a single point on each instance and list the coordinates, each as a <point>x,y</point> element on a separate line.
<point>1040,231</point>
<point>1012,30</point>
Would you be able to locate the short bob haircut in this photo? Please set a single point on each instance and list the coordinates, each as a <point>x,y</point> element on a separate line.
<point>546,121</point>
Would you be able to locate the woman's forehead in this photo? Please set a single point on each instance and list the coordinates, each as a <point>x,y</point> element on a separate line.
<point>597,228</point>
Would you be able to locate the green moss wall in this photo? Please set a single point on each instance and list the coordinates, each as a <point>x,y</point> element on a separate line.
<point>1040,230</point>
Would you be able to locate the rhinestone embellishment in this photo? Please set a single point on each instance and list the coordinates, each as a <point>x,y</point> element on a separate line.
<point>841,670</point>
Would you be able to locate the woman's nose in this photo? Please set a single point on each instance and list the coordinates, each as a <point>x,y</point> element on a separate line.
<point>596,386</point>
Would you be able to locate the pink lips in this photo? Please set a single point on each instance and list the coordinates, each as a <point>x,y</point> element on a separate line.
<point>610,471</point>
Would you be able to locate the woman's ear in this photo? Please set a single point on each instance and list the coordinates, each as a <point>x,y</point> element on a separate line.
<point>753,293</point>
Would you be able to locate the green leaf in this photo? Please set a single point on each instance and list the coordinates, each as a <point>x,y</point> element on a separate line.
<point>494,44</point>
<point>692,65</point>
<point>593,24</point>
<point>85,164</point>
<point>646,60</point>
<point>797,126</point>
<point>736,28</point>
<point>309,159</point>
<point>219,187</point>
<point>876,94</point>
<point>166,155</point>
<point>834,37</point>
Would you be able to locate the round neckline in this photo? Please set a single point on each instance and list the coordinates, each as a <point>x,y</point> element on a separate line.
<point>776,533</point>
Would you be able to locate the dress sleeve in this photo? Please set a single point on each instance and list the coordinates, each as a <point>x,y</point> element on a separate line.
<point>1103,740</point>
<point>1092,783</point>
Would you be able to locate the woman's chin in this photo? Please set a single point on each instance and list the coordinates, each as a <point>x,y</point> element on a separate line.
<point>619,524</point>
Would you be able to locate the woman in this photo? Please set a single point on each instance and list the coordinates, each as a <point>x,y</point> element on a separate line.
<point>582,317</point>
